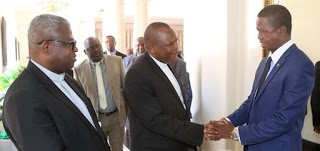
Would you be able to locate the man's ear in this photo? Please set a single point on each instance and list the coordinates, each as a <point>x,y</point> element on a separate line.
<point>84,51</point>
<point>45,49</point>
<point>150,48</point>
<point>283,29</point>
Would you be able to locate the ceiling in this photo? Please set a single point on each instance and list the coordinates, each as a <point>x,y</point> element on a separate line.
<point>157,8</point>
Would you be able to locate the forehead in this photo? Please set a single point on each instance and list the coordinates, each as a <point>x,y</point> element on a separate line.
<point>64,31</point>
<point>93,42</point>
<point>263,21</point>
<point>140,41</point>
<point>109,39</point>
<point>167,34</point>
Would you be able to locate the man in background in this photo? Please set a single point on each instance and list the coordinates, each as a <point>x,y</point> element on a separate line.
<point>129,51</point>
<point>102,77</point>
<point>139,46</point>
<point>44,108</point>
<point>111,47</point>
<point>179,66</point>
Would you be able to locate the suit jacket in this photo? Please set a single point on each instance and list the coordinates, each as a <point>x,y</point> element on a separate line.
<point>315,97</point>
<point>128,60</point>
<point>179,67</point>
<point>115,72</point>
<point>157,117</point>
<point>118,54</point>
<point>275,117</point>
<point>38,116</point>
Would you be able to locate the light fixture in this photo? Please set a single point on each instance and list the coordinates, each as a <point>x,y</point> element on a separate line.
<point>53,5</point>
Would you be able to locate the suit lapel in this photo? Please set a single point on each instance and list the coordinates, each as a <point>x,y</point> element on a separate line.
<point>110,73</point>
<point>275,69</point>
<point>74,85</point>
<point>90,78</point>
<point>164,77</point>
<point>54,90</point>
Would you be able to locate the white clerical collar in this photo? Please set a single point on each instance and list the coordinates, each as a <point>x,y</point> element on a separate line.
<point>159,63</point>
<point>53,76</point>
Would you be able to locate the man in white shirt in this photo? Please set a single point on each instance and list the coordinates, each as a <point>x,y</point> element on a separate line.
<point>273,115</point>
<point>158,113</point>
<point>111,47</point>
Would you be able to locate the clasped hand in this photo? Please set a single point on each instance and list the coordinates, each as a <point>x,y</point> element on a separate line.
<point>215,130</point>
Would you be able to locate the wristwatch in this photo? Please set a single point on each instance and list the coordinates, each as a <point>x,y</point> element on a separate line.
<point>234,136</point>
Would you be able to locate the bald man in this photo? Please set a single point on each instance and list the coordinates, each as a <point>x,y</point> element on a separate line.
<point>113,116</point>
<point>139,48</point>
<point>158,113</point>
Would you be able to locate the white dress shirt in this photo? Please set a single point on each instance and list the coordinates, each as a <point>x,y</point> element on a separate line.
<point>166,70</point>
<point>58,80</point>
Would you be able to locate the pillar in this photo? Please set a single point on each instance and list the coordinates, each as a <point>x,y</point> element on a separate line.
<point>140,19</point>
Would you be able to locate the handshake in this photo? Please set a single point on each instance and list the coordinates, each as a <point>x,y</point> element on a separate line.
<point>215,130</point>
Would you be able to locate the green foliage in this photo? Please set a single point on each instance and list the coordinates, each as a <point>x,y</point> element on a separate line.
<point>6,80</point>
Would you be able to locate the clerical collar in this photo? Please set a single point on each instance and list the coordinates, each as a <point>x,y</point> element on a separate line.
<point>53,76</point>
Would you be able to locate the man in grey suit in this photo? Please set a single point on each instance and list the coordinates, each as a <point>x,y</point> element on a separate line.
<point>179,66</point>
<point>106,96</point>
<point>45,109</point>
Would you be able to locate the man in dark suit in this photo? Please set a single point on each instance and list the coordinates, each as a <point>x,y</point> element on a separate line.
<point>157,112</point>
<point>45,109</point>
<point>273,115</point>
<point>315,100</point>
<point>110,45</point>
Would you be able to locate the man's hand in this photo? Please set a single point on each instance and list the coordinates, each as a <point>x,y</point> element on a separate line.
<point>210,132</point>
<point>316,129</point>
<point>223,128</point>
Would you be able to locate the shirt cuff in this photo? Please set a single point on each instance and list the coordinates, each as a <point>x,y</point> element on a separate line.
<point>236,130</point>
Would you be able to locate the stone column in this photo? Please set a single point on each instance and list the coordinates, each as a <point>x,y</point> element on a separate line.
<point>120,37</point>
<point>140,19</point>
<point>113,23</point>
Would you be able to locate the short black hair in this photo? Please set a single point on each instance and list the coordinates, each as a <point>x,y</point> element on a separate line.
<point>277,16</point>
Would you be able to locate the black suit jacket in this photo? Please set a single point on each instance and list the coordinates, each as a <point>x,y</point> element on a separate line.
<point>157,117</point>
<point>315,97</point>
<point>38,116</point>
<point>117,54</point>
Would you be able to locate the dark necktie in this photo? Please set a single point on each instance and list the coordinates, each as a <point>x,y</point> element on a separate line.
<point>264,73</point>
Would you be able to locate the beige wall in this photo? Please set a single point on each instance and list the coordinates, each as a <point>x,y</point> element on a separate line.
<point>305,33</point>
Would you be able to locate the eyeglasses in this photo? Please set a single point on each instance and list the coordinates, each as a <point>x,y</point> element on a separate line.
<point>71,42</point>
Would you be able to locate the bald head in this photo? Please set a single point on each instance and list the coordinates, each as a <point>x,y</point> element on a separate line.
<point>140,45</point>
<point>153,30</point>
<point>161,42</point>
<point>93,49</point>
